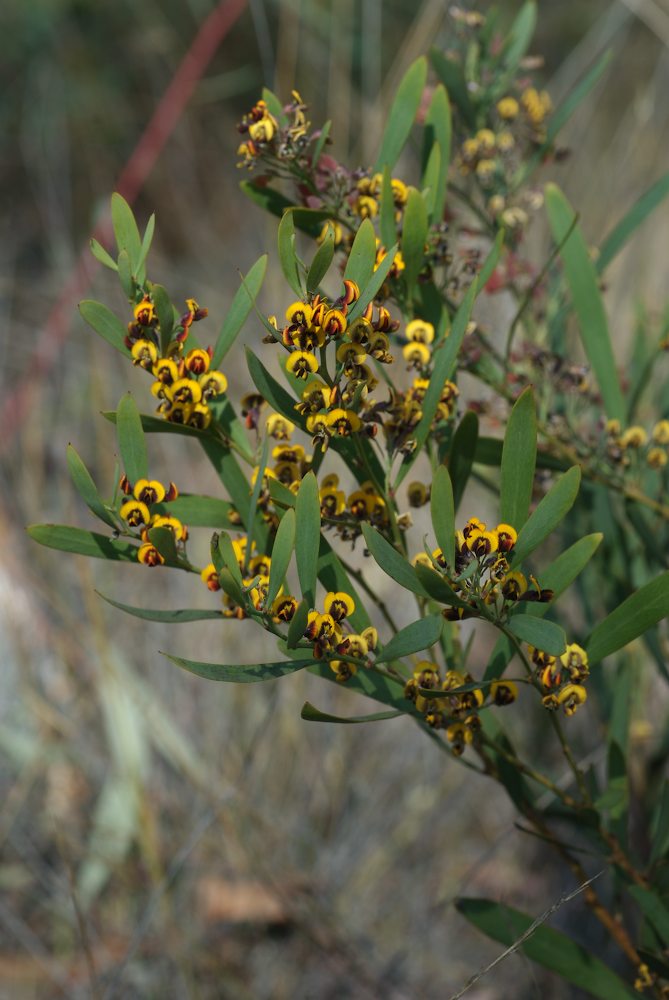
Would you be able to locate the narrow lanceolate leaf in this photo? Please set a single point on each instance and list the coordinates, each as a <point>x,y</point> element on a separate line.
<point>86,488</point>
<point>307,535</point>
<point>542,634</point>
<point>419,635</point>
<point>320,265</point>
<point>271,390</point>
<point>643,609</point>
<point>125,229</point>
<point>451,75</point>
<point>653,909</point>
<point>442,509</point>
<point>83,543</point>
<point>581,278</point>
<point>631,221</point>
<point>437,587</point>
<point>368,293</point>
<point>438,130</point>
<point>240,673</point>
<point>165,314</point>
<point>125,274</point>
<point>548,514</point>
<point>168,617</point>
<point>287,254</point>
<point>519,456</point>
<point>430,181</point>
<point>147,240</point>
<point>387,223</point>
<point>312,714</point>
<point>414,234</point>
<point>101,254</point>
<point>402,114</point>
<point>298,623</point>
<point>360,264</point>
<point>198,511</point>
<point>282,550</point>
<point>462,453</point>
<point>131,442</point>
<point>550,948</point>
<point>390,561</point>
<point>520,36</point>
<point>104,322</point>
<point>444,362</point>
<point>240,307</point>
<point>223,555</point>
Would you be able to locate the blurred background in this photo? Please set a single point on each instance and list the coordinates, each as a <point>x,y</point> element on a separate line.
<point>161,835</point>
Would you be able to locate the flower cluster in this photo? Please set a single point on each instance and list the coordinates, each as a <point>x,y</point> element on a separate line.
<point>137,513</point>
<point>623,445</point>
<point>271,141</point>
<point>561,679</point>
<point>184,384</point>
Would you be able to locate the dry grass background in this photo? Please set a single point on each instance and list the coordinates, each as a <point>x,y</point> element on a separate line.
<point>161,836</point>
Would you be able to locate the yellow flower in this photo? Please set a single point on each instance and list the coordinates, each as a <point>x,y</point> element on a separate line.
<point>199,416</point>
<point>209,577</point>
<point>149,491</point>
<point>634,437</point>
<point>149,555</point>
<point>144,353</point>
<point>263,130</point>
<point>299,313</point>
<point>213,384</point>
<point>197,361</point>
<point>503,692</point>
<point>279,428</point>
<point>507,537</point>
<point>656,458</point>
<point>418,494</point>
<point>184,391</point>
<point>166,370</point>
<point>661,432</point>
<point>571,696</point>
<point>342,423</point>
<point>339,605</point>
<point>416,354</point>
<point>575,659</point>
<point>302,364</point>
<point>508,108</point>
<point>173,523</point>
<point>135,513</point>
<point>419,331</point>
<point>284,608</point>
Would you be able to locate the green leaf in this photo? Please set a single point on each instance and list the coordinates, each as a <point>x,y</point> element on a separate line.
<point>250,673</point>
<point>438,588</point>
<point>402,114</point>
<point>368,293</point>
<point>451,75</point>
<point>520,36</point>
<point>165,314</point>
<point>86,488</point>
<point>104,322</point>
<point>198,511</point>
<point>442,509</point>
<point>282,550</point>
<point>549,948</point>
<point>125,229</point>
<point>462,453</point>
<point>307,535</point>
<point>287,254</point>
<point>548,514</point>
<point>101,254</point>
<point>131,439</point>
<point>586,298</point>
<point>431,179</point>
<point>125,275</point>
<point>361,260</point>
<point>168,617</point>
<point>438,130</point>
<point>251,518</point>
<point>445,357</point>
<point>519,456</point>
<point>311,714</point>
<point>414,234</point>
<point>223,555</point>
<point>544,635</point>
<point>387,223</point>
<point>268,387</point>
<point>419,635</point>
<point>631,221</point>
<point>309,220</point>
<point>240,307</point>
<point>298,623</point>
<point>639,612</point>
<point>653,909</point>
<point>234,480</point>
<point>274,105</point>
<point>323,257</point>
<point>390,561</point>
<point>163,540</point>
<point>147,240</point>
<point>83,543</point>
